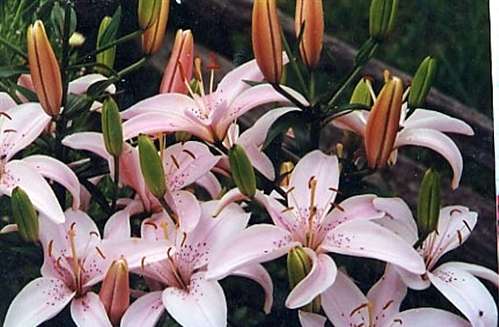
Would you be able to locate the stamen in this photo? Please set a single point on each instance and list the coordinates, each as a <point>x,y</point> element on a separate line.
<point>6,115</point>
<point>143,263</point>
<point>337,206</point>
<point>453,211</point>
<point>387,304</point>
<point>93,233</point>
<point>460,237</point>
<point>10,130</point>
<point>399,321</point>
<point>312,185</point>
<point>199,74</point>
<point>164,226</point>
<point>184,238</point>
<point>192,155</point>
<point>175,162</point>
<point>360,307</point>
<point>184,78</point>
<point>291,189</point>
<point>100,252</point>
<point>151,224</point>
<point>287,209</point>
<point>50,246</point>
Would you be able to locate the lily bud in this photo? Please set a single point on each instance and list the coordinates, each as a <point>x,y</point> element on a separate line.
<point>180,66</point>
<point>115,290</point>
<point>111,127</point>
<point>76,40</point>
<point>285,173</point>
<point>422,82</point>
<point>108,56</point>
<point>148,12</point>
<point>382,15</point>
<point>24,215</point>
<point>151,167</point>
<point>299,265</point>
<point>266,36</point>
<point>44,69</point>
<point>362,93</point>
<point>428,209</point>
<point>153,37</point>
<point>309,15</point>
<point>383,123</point>
<point>242,171</point>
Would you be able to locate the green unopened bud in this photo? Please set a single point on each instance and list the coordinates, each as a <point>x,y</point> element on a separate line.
<point>428,203</point>
<point>108,56</point>
<point>242,171</point>
<point>24,215</point>
<point>422,82</point>
<point>111,127</point>
<point>362,94</point>
<point>148,12</point>
<point>299,265</point>
<point>151,167</point>
<point>76,40</point>
<point>382,15</point>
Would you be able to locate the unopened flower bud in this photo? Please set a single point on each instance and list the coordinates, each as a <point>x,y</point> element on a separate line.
<point>242,171</point>
<point>383,123</point>
<point>115,290</point>
<point>428,209</point>
<point>108,56</point>
<point>24,215</point>
<point>285,172</point>
<point>148,12</point>
<point>44,69</point>
<point>299,265</point>
<point>153,37</point>
<point>422,82</point>
<point>180,66</point>
<point>309,15</point>
<point>382,15</point>
<point>76,40</point>
<point>362,93</point>
<point>266,36</point>
<point>152,167</point>
<point>111,127</point>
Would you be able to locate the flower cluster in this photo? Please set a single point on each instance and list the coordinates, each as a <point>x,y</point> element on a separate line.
<point>187,196</point>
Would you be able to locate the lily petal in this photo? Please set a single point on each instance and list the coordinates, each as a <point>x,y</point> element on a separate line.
<point>344,303</point>
<point>466,293</point>
<point>55,170</point>
<point>398,218</point>
<point>118,226</point>
<point>257,273</point>
<point>204,304</point>
<point>145,311</point>
<point>160,103</point>
<point>256,244</point>
<point>422,118</point>
<point>81,84</point>
<point>19,173</point>
<point>320,278</point>
<point>88,311</point>
<point>477,271</point>
<point>438,142</point>
<point>211,184</point>
<point>368,239</point>
<point>6,102</point>
<point>88,141</point>
<point>308,319</point>
<point>40,300</point>
<point>25,123</point>
<point>423,317</point>
<point>360,207</point>
<point>354,122</point>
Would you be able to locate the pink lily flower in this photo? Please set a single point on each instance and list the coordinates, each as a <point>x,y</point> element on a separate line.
<point>313,221</point>
<point>208,116</point>
<point>346,305</point>
<point>185,293</point>
<point>75,259</point>
<point>20,125</point>
<point>424,128</point>
<point>184,165</point>
<point>455,280</point>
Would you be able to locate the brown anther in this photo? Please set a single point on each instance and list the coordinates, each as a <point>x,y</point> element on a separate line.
<point>398,321</point>
<point>312,182</point>
<point>100,253</point>
<point>184,238</point>
<point>151,224</point>
<point>71,228</point>
<point>332,189</point>
<point>337,206</point>
<point>9,130</point>
<point>80,264</point>
<point>213,62</point>
<point>291,189</point>
<point>175,162</point>
<point>94,233</point>
<point>49,248</point>
<point>387,304</point>
<point>357,309</point>
<point>287,209</point>
<point>5,114</point>
<point>198,64</point>
<point>453,211</point>
<point>460,237</point>
<point>467,226</point>
<point>58,263</point>
<point>192,155</point>
<point>143,263</point>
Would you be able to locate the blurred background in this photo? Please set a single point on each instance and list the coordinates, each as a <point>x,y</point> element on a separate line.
<point>454,32</point>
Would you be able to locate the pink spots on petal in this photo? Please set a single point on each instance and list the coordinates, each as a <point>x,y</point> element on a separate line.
<point>56,293</point>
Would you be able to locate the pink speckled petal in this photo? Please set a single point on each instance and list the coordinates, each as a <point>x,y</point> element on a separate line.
<point>88,311</point>
<point>423,317</point>
<point>422,118</point>
<point>258,274</point>
<point>308,319</point>
<point>144,312</point>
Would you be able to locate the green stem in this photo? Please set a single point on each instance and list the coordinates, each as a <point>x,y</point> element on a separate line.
<point>288,96</point>
<point>12,47</point>
<point>353,74</point>
<point>120,40</point>
<point>293,63</point>
<point>116,181</point>
<point>312,87</point>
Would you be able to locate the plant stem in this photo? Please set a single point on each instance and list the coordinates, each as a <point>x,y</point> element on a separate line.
<point>116,181</point>
<point>120,40</point>
<point>353,74</point>
<point>288,96</point>
<point>293,64</point>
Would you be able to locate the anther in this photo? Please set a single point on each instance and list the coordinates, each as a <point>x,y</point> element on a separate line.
<point>100,252</point>
<point>192,155</point>
<point>357,309</point>
<point>175,162</point>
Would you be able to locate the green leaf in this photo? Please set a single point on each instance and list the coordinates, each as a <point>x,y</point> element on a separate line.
<point>109,34</point>
<point>282,124</point>
<point>9,71</point>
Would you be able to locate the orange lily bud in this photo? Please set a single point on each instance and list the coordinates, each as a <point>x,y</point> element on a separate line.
<point>179,68</point>
<point>383,123</point>
<point>267,43</point>
<point>44,69</point>
<point>115,290</point>
<point>310,16</point>
<point>153,37</point>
